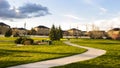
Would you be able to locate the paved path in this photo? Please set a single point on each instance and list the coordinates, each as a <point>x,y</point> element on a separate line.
<point>91,53</point>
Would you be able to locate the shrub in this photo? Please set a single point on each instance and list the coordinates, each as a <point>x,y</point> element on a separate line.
<point>27,41</point>
<point>24,40</point>
<point>8,33</point>
<point>18,41</point>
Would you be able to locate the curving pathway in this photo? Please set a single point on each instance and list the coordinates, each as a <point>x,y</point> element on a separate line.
<point>90,54</point>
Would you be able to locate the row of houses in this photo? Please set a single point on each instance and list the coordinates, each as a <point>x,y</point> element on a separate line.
<point>39,30</point>
<point>43,30</point>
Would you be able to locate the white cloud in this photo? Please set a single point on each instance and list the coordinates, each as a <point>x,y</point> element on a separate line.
<point>73,17</point>
<point>108,24</point>
<point>95,4</point>
<point>103,10</point>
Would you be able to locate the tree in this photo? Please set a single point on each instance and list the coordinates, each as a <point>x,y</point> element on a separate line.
<point>55,33</point>
<point>8,33</point>
<point>33,32</point>
<point>61,33</point>
<point>52,34</point>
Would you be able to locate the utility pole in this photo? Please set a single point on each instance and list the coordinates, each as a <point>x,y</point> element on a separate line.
<point>25,29</point>
<point>86,27</point>
<point>77,32</point>
<point>25,25</point>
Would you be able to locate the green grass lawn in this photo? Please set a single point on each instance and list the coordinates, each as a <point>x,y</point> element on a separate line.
<point>7,38</point>
<point>110,60</point>
<point>11,55</point>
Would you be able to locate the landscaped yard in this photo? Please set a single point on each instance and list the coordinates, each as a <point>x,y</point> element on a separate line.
<point>11,55</point>
<point>110,60</point>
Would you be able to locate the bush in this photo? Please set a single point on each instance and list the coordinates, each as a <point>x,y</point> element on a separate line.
<point>19,40</point>
<point>8,33</point>
<point>27,41</point>
<point>24,40</point>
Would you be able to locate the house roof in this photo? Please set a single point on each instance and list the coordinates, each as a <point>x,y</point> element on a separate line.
<point>3,24</point>
<point>116,29</point>
<point>42,27</point>
<point>20,28</point>
<point>75,29</point>
<point>97,31</point>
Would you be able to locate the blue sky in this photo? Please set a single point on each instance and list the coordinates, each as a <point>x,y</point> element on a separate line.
<point>104,14</point>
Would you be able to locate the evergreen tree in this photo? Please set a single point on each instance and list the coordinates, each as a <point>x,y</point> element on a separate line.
<point>8,33</point>
<point>61,33</point>
<point>55,33</point>
<point>52,34</point>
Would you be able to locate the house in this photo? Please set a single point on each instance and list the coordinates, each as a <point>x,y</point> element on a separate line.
<point>84,33</point>
<point>42,30</point>
<point>19,31</point>
<point>96,34</point>
<point>114,33</point>
<point>4,28</point>
<point>74,32</point>
<point>65,33</point>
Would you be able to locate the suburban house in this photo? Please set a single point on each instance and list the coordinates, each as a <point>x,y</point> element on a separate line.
<point>65,33</point>
<point>42,30</point>
<point>19,31</point>
<point>114,33</point>
<point>4,28</point>
<point>74,32</point>
<point>97,34</point>
<point>84,33</point>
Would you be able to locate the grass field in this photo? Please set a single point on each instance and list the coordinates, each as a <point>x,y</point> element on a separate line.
<point>110,60</point>
<point>11,55</point>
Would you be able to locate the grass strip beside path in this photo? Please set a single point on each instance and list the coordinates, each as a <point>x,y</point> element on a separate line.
<point>12,55</point>
<point>110,60</point>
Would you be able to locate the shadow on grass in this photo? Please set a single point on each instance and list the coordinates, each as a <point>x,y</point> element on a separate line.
<point>108,43</point>
<point>5,52</point>
<point>81,65</point>
<point>5,64</point>
<point>8,63</point>
<point>102,43</point>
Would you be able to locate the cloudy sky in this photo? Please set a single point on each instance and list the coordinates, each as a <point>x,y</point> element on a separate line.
<point>104,14</point>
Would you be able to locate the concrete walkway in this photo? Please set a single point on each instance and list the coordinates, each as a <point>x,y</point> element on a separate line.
<point>90,54</point>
